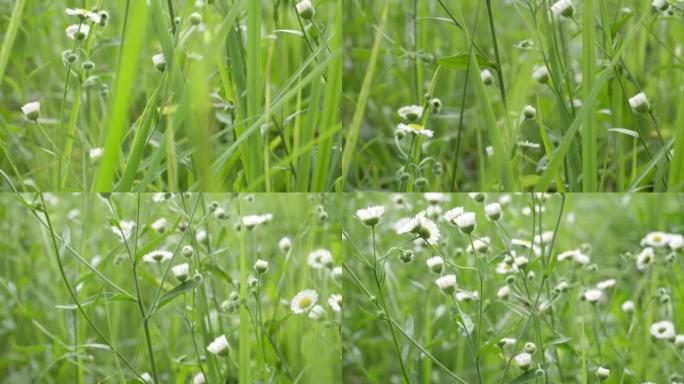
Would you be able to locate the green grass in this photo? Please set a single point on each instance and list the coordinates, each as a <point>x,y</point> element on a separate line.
<point>589,140</point>
<point>450,339</point>
<point>230,106</point>
<point>96,310</point>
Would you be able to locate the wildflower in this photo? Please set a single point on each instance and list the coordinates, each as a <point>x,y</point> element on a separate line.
<point>675,242</point>
<point>335,302</point>
<point>180,271</point>
<point>220,213</point>
<point>187,251</point>
<point>371,215</point>
<point>563,8</point>
<point>159,61</point>
<point>219,346</point>
<point>305,9</point>
<point>467,296</point>
<point>414,129</point>
<point>303,301</point>
<point>320,258</point>
<point>563,286</point>
<point>317,312</point>
<point>610,283</point>
<point>530,348</point>
<point>199,379</point>
<point>406,256</point>
<point>447,283</point>
<point>436,264</point>
<point>660,5</point>
<point>78,31</point>
<point>486,77</point>
<point>195,18</point>
<point>411,112</point>
<point>336,273</point>
<point>679,341</point>
<point>575,255</point>
<point>31,110</point>
<point>493,211</point>
<point>96,153</point>
<point>159,225</point>
<point>602,373</point>
<point>639,103</point>
<point>479,245</point>
<point>540,74</point>
<point>157,256</point>
<point>146,377</point>
<point>452,214</point>
<point>523,361</point>
<point>655,239</point>
<point>645,258</point>
<point>466,222</point>
<point>529,112</point>
<point>478,196</point>
<point>124,229</point>
<point>285,244</point>
<point>503,292</point>
<point>592,295</point>
<point>520,262</point>
<point>261,266</point>
<point>80,12</point>
<point>663,330</point>
<point>628,306</point>
<point>436,105</point>
<point>421,226</point>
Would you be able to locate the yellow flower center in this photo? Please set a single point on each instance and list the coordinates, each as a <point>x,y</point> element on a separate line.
<point>305,302</point>
<point>416,127</point>
<point>657,238</point>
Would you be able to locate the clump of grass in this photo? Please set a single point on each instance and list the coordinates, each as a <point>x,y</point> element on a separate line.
<point>153,288</point>
<point>171,95</point>
<point>516,96</point>
<point>493,288</point>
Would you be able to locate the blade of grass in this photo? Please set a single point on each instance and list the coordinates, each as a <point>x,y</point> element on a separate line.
<point>10,35</point>
<point>254,161</point>
<point>589,135</point>
<point>125,78</point>
<point>357,119</point>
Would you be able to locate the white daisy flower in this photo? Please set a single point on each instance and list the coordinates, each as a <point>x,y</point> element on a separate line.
<point>563,8</point>
<point>661,5</point>
<point>447,283</point>
<point>592,295</point>
<point>305,9</point>
<point>31,110</point>
<point>414,129</point>
<point>159,62</point>
<point>199,379</point>
<point>451,215</point>
<point>261,266</point>
<point>336,273</point>
<point>335,302</point>
<point>523,361</point>
<point>96,153</point>
<point>467,296</point>
<point>157,256</point>
<point>78,31</point>
<point>201,236</point>
<point>180,271</point>
<point>480,245</point>
<point>317,312</point>
<point>679,341</point>
<point>303,301</point>
<point>466,222</point>
<point>503,292</point>
<point>605,284</point>
<point>655,239</point>
<point>320,258</point>
<point>219,346</point>
<point>540,74</point>
<point>505,342</point>
<point>124,230</point>
<point>421,226</point>
<point>493,211</point>
<point>251,221</point>
<point>489,150</point>
<point>663,330</point>
<point>285,244</point>
<point>602,373</point>
<point>575,255</point>
<point>628,306</point>
<point>645,258</point>
<point>436,197</point>
<point>486,76</point>
<point>639,102</point>
<point>411,112</point>
<point>675,242</point>
<point>436,264</point>
<point>371,215</point>
<point>146,377</point>
<point>160,225</point>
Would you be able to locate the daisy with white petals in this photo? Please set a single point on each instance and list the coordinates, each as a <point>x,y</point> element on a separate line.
<point>320,258</point>
<point>304,301</point>
<point>421,226</point>
<point>219,346</point>
<point>371,215</point>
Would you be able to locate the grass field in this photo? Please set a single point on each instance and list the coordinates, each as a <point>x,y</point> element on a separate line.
<point>514,95</point>
<point>206,95</point>
<point>561,289</point>
<point>92,291</point>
